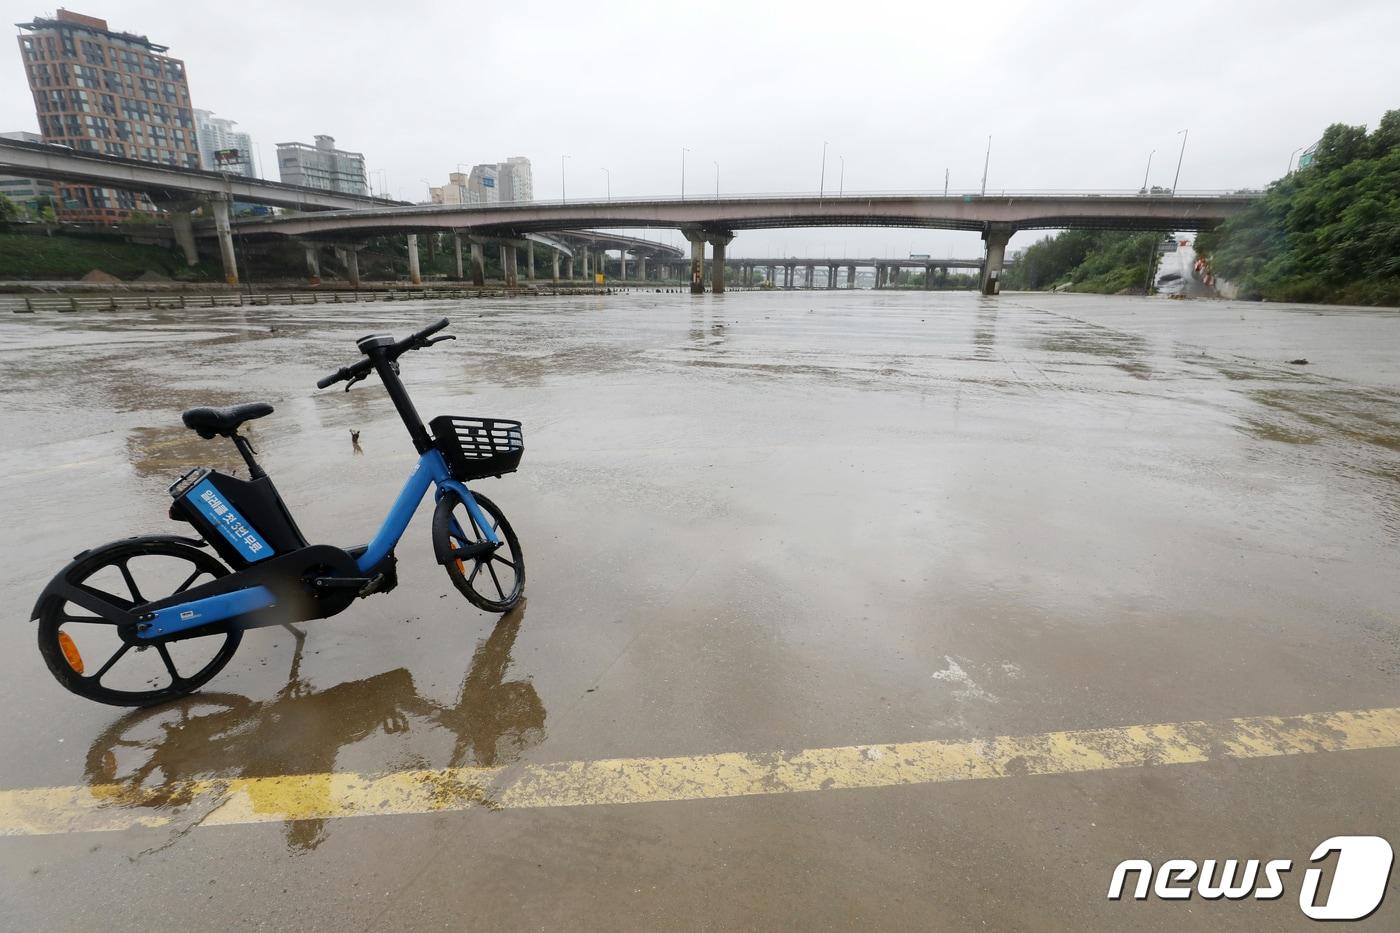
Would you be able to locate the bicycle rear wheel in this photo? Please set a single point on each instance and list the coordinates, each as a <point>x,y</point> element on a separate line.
<point>491,579</point>
<point>132,671</point>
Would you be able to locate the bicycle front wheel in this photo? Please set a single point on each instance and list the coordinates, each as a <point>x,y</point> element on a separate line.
<point>492,578</point>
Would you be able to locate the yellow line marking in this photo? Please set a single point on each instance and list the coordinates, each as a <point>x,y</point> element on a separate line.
<point>238,801</point>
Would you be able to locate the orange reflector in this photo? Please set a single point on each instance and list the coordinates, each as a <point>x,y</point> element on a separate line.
<point>70,652</point>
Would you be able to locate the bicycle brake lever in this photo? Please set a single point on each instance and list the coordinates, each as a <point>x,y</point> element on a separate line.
<point>440,339</point>
<point>352,380</point>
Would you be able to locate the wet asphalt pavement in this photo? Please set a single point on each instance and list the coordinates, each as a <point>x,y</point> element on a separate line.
<point>752,522</point>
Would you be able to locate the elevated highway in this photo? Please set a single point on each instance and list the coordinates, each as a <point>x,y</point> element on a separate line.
<point>342,218</point>
<point>783,272</point>
<point>1027,211</point>
<point>715,220</point>
<point>168,182</point>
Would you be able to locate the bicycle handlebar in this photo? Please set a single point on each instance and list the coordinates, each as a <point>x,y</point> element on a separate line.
<point>359,370</point>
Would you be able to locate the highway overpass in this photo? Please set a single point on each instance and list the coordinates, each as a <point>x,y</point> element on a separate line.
<point>167,182</point>
<point>715,220</point>
<point>342,218</point>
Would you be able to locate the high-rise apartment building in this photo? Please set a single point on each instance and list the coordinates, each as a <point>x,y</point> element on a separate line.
<point>514,180</point>
<point>322,166</point>
<point>114,93</point>
<point>217,135</point>
<point>488,183</point>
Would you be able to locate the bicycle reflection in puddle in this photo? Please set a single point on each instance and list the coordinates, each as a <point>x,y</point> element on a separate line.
<point>148,755</point>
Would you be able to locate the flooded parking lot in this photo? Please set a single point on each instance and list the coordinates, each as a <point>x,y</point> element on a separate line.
<point>756,524</point>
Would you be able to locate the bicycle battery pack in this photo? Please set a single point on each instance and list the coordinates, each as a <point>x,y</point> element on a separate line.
<point>245,520</point>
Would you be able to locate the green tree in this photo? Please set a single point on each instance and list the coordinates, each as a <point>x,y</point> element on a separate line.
<point>1328,232</point>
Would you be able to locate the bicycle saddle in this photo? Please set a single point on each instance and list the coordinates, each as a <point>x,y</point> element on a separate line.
<point>207,422</point>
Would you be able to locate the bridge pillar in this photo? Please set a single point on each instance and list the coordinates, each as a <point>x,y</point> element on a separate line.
<point>313,264</point>
<point>508,265</point>
<point>530,260</point>
<point>850,276</point>
<point>621,265</point>
<point>478,263</point>
<point>831,276</point>
<point>181,224</point>
<point>996,237</point>
<point>225,233</point>
<point>569,268</point>
<point>811,278</point>
<point>928,278</point>
<point>697,261</point>
<point>879,274</point>
<point>641,268</point>
<point>414,275</point>
<point>588,264</point>
<point>719,241</point>
<point>457,254</point>
<point>352,265</point>
<point>555,254</point>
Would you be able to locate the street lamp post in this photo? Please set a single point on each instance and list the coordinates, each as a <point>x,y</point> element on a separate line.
<point>1176,178</point>
<point>609,174</point>
<point>1148,172</point>
<point>985,163</point>
<point>716,181</point>
<point>821,187</point>
<point>683,152</point>
<point>563,181</point>
<point>841,191</point>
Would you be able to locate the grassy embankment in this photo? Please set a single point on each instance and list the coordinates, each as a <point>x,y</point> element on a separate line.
<point>63,257</point>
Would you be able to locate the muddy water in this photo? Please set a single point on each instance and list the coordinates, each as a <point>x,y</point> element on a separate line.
<point>752,522</point>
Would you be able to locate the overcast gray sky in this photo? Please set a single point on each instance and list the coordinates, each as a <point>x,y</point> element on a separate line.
<point>1075,95</point>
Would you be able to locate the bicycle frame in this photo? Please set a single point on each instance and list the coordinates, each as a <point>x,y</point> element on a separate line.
<point>431,470</point>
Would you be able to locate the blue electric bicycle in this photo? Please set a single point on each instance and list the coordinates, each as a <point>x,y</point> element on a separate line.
<point>164,615</point>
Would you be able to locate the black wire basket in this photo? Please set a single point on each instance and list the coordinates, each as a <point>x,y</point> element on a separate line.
<point>475,448</point>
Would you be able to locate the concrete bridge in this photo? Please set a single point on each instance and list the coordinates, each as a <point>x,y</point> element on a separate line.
<point>168,182</point>
<point>783,272</point>
<point>714,221</point>
<point>175,190</point>
<point>345,218</point>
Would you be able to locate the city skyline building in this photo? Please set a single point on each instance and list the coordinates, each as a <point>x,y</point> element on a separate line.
<point>514,180</point>
<point>216,134</point>
<point>487,183</point>
<point>322,166</point>
<point>114,93</point>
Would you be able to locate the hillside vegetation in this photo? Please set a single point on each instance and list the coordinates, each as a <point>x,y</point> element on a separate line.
<point>1103,261</point>
<point>1328,232</point>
